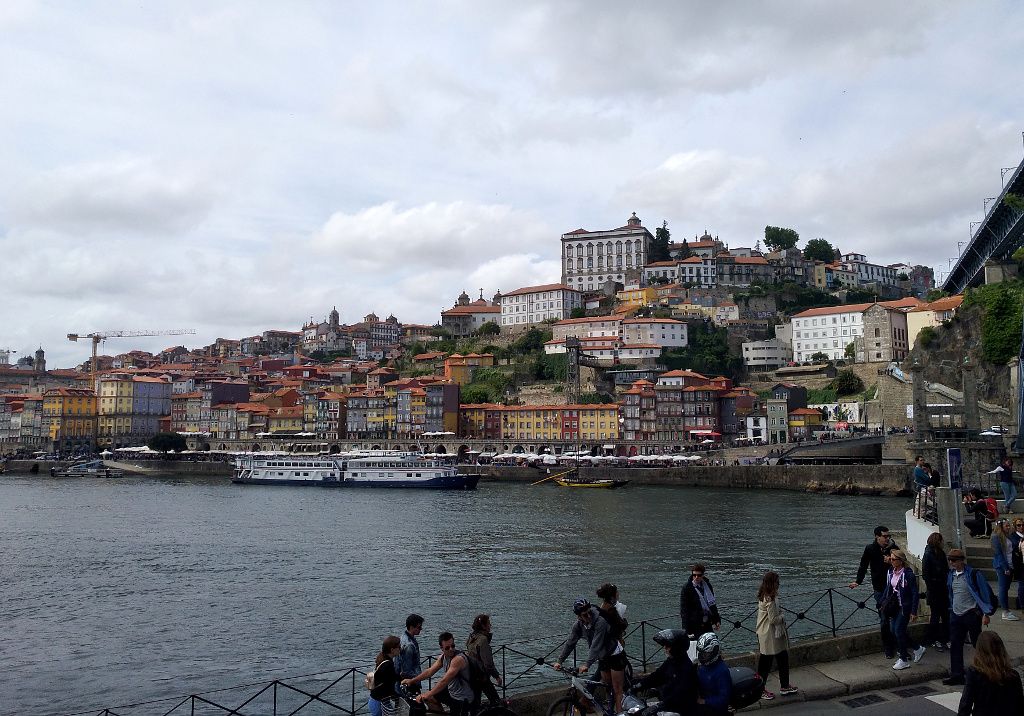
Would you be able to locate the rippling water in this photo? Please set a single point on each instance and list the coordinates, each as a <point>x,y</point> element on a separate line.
<point>119,590</point>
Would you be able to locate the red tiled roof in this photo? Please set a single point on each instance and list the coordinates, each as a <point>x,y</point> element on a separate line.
<point>538,289</point>
<point>464,310</point>
<point>859,307</point>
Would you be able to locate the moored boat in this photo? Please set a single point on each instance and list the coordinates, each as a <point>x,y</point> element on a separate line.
<point>90,468</point>
<point>594,483</point>
<point>373,469</point>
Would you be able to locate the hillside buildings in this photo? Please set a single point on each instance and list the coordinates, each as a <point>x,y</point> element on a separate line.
<point>591,258</point>
<point>531,305</point>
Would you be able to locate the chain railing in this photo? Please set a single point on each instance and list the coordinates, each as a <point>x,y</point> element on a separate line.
<point>822,613</point>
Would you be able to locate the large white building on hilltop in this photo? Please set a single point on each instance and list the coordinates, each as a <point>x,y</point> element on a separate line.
<point>533,304</point>
<point>829,331</point>
<point>590,258</point>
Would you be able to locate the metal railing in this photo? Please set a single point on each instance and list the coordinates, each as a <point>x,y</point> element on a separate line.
<point>925,506</point>
<point>821,613</point>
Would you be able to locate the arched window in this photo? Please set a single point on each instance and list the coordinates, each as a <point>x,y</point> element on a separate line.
<point>608,248</point>
<point>568,249</point>
<point>590,262</point>
<point>590,249</point>
<point>579,264</point>
<point>618,248</point>
<point>600,249</point>
<point>579,249</point>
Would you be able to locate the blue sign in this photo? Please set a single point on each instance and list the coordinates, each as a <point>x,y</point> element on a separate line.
<point>954,467</point>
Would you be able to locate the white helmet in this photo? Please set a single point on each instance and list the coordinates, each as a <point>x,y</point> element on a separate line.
<point>709,649</point>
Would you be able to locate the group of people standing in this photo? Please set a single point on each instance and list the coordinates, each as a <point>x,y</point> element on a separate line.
<point>961,604</point>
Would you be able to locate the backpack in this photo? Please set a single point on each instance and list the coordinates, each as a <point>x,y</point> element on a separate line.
<point>478,676</point>
<point>616,624</point>
<point>983,588</point>
<point>368,679</point>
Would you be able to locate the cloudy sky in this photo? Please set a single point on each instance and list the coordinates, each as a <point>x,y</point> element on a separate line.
<point>237,166</point>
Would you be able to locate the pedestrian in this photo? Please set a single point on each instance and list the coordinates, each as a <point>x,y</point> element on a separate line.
<point>713,677</point>
<point>1002,563</point>
<point>970,605</point>
<point>899,605</point>
<point>613,666</point>
<point>992,685</point>
<point>594,628</point>
<point>982,512</point>
<point>875,558</point>
<point>478,646</point>
<point>1006,483</point>
<point>383,696</point>
<point>698,609</point>
<point>407,663</point>
<point>455,688</point>
<point>934,570</point>
<point>772,636</point>
<point>1017,540</point>
<point>676,679</point>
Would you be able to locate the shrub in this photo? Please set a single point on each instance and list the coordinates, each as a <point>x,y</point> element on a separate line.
<point>847,382</point>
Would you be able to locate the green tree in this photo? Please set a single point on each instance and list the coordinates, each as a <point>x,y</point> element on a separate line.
<point>935,294</point>
<point>819,249</point>
<point>439,332</point>
<point>550,367</point>
<point>476,393</point>
<point>594,399</point>
<point>902,276</point>
<point>531,341</point>
<point>165,442</point>
<point>847,382</point>
<point>490,328</point>
<point>819,357</point>
<point>578,312</point>
<point>926,336</point>
<point>850,351</point>
<point>1014,201</point>
<point>684,251</point>
<point>659,247</point>
<point>777,238</point>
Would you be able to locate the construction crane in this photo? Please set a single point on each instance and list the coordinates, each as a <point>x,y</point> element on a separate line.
<point>100,336</point>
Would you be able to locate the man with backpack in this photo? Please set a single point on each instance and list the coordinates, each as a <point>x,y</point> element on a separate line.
<point>971,603</point>
<point>455,688</point>
<point>595,629</point>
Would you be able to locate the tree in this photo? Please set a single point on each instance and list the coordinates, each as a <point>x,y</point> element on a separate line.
<point>819,357</point>
<point>850,351</point>
<point>1014,201</point>
<point>684,251</point>
<point>847,382</point>
<point>777,238</point>
<point>659,247</point>
<point>578,312</point>
<point>902,276</point>
<point>439,332</point>
<point>819,249</point>
<point>489,328</point>
<point>165,442</point>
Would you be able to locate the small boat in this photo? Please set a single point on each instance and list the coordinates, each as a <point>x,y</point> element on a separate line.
<point>376,468</point>
<point>90,468</point>
<point>605,484</point>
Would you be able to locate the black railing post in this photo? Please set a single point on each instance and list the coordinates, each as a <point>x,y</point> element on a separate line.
<point>193,706</point>
<point>832,611</point>
<point>275,697</point>
<point>504,678</point>
<point>353,690</point>
<point>643,644</point>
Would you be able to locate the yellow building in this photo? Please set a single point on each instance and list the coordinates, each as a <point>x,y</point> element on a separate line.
<point>69,419</point>
<point>635,297</point>
<point>285,420</point>
<point>460,368</point>
<point>803,422</point>
<point>117,391</point>
<point>931,315</point>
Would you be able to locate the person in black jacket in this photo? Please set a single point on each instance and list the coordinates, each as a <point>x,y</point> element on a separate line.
<point>697,607</point>
<point>676,679</point>
<point>876,558</point>
<point>992,685</point>
<point>934,570</point>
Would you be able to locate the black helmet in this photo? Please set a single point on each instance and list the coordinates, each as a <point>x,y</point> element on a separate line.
<point>676,639</point>
<point>708,648</point>
<point>580,605</point>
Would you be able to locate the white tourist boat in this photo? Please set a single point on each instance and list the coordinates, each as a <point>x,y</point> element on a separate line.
<point>373,469</point>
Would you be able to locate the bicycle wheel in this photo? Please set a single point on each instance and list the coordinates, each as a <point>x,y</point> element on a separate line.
<point>497,710</point>
<point>566,706</point>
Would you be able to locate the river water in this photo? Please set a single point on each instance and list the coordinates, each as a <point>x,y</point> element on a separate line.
<point>115,591</point>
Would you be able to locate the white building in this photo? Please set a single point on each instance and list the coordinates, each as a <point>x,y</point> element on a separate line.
<point>829,330</point>
<point>533,304</point>
<point>868,272</point>
<point>766,355</point>
<point>590,258</point>
<point>589,327</point>
<point>725,312</point>
<point>664,332</point>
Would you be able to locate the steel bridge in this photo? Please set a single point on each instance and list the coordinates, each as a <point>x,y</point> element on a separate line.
<point>998,235</point>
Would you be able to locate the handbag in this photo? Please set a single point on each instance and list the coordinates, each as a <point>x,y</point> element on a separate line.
<point>890,606</point>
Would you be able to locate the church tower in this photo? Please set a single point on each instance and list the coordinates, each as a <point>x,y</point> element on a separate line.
<point>39,364</point>
<point>333,319</point>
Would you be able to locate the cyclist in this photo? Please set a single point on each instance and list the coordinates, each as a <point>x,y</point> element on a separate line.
<point>676,678</point>
<point>713,674</point>
<point>590,624</point>
<point>455,688</point>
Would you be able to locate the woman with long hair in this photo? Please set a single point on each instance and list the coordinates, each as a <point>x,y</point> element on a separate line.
<point>479,645</point>
<point>772,635</point>
<point>901,592</point>
<point>1002,563</point>
<point>383,696</point>
<point>613,666</point>
<point>992,685</point>
<point>934,570</point>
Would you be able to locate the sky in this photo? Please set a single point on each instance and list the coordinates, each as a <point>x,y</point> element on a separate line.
<point>231,167</point>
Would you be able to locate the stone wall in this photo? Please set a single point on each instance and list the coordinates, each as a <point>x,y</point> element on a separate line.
<point>893,398</point>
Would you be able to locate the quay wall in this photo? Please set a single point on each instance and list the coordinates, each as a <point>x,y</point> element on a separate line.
<point>839,479</point>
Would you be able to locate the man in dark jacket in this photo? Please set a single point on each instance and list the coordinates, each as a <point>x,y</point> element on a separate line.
<point>676,679</point>
<point>876,558</point>
<point>697,607</point>
<point>593,627</point>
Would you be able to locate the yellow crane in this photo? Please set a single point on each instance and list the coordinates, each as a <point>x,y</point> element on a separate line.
<point>100,336</point>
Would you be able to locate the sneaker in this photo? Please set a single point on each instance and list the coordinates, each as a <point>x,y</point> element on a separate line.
<point>900,665</point>
<point>787,690</point>
<point>1011,617</point>
<point>918,653</point>
<point>767,695</point>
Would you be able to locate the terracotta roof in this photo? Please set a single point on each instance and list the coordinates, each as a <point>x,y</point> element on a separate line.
<point>692,260</point>
<point>943,304</point>
<point>858,307</point>
<point>682,374</point>
<point>185,396</point>
<point>758,260</point>
<point>628,346</point>
<point>464,310</point>
<point>586,319</point>
<point>431,355</point>
<point>653,320</point>
<point>576,232</point>
<point>661,263</point>
<point>805,411</point>
<point>538,289</point>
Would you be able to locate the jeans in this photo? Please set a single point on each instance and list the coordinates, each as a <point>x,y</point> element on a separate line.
<point>374,705</point>
<point>904,642</point>
<point>888,642</point>
<point>1020,594</point>
<point>1004,588</point>
<point>960,628</point>
<point>1009,495</point>
<point>938,624</point>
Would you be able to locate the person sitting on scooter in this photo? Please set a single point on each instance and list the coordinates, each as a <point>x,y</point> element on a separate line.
<point>676,678</point>
<point>713,674</point>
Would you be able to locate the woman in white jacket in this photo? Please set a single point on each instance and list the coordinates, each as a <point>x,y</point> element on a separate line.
<point>772,636</point>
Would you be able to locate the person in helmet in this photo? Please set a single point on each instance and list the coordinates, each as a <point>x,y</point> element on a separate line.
<point>713,675</point>
<point>592,626</point>
<point>676,678</point>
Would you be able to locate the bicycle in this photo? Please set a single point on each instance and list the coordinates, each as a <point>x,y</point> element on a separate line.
<point>499,708</point>
<point>585,696</point>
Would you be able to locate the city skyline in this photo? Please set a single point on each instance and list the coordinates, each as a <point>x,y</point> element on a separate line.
<point>242,168</point>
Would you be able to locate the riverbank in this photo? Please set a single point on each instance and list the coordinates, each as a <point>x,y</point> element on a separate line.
<point>888,480</point>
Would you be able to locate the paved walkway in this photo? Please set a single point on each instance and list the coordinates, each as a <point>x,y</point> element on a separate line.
<point>839,681</point>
